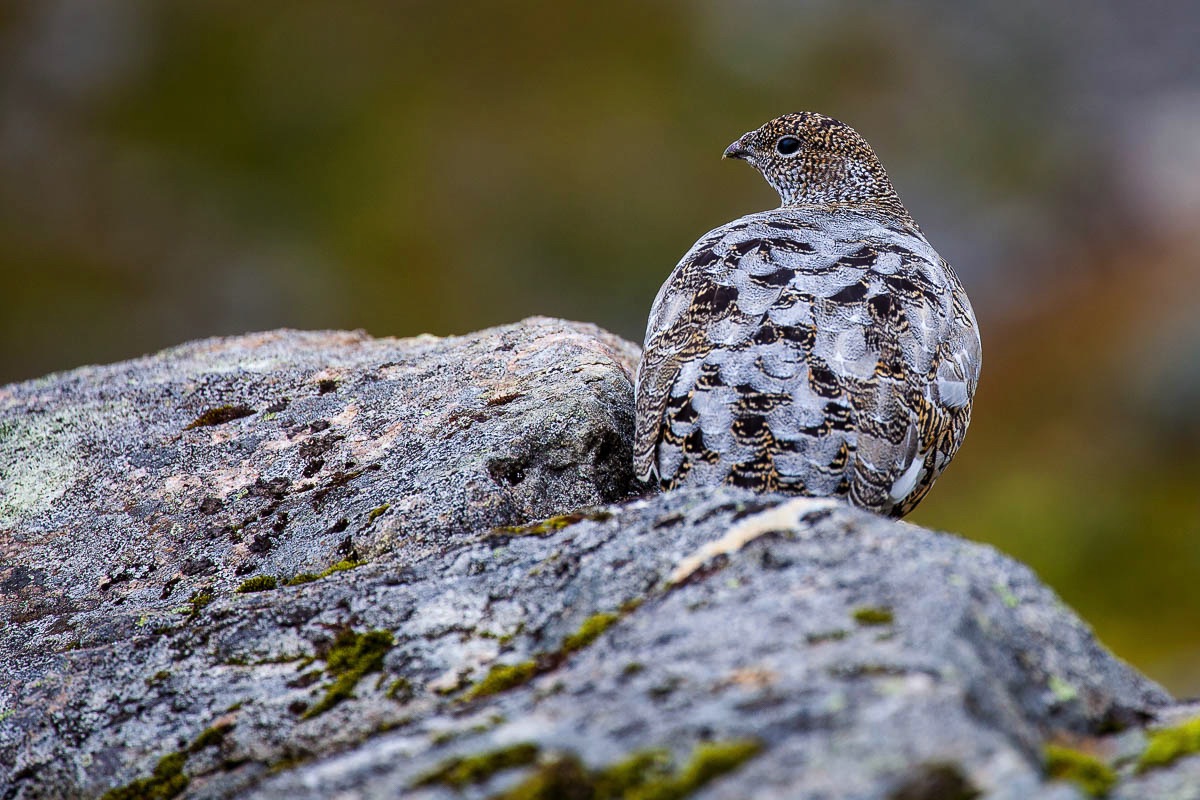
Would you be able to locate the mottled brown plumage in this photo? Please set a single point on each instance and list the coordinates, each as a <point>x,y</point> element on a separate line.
<point>822,348</point>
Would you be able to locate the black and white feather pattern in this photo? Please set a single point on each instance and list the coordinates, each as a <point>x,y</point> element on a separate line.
<point>821,351</point>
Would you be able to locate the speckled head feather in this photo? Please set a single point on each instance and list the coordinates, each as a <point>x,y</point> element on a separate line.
<point>812,159</point>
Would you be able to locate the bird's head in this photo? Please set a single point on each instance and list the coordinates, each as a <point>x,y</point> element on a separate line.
<point>812,158</point>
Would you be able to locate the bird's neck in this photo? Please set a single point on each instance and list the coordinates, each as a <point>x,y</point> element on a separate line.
<point>847,184</point>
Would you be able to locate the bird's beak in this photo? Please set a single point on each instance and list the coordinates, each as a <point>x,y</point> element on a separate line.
<point>736,150</point>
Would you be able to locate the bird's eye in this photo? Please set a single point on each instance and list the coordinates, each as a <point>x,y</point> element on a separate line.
<point>787,145</point>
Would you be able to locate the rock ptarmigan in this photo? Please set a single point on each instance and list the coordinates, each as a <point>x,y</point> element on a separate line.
<point>822,348</point>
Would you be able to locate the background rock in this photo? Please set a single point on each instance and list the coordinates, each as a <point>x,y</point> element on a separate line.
<point>809,649</point>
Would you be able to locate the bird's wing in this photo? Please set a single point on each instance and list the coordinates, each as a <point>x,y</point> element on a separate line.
<point>676,334</point>
<point>806,354</point>
<point>912,411</point>
<point>938,407</point>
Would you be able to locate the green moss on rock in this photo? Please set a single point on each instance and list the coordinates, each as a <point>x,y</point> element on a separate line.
<point>168,780</point>
<point>351,657</point>
<point>1085,771</point>
<point>210,737</point>
<point>199,599</point>
<point>872,615</point>
<point>1168,744</point>
<point>309,577</point>
<point>638,771</point>
<point>551,524</point>
<point>259,583</point>
<point>464,771</point>
<point>502,677</point>
<point>708,762</point>
<point>645,775</point>
<point>561,779</point>
<point>588,632</point>
<point>631,605</point>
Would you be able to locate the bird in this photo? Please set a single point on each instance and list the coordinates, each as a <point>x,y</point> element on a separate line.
<point>820,349</point>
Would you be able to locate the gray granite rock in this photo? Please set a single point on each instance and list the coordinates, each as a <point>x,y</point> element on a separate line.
<point>707,643</point>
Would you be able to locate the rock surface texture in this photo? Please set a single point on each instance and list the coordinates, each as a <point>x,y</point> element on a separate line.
<point>311,565</point>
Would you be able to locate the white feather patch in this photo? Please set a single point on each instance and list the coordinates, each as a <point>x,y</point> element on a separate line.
<point>904,485</point>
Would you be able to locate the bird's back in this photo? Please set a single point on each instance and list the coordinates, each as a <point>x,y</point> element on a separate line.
<point>808,350</point>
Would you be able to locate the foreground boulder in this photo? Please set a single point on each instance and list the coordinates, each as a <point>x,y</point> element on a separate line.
<point>315,565</point>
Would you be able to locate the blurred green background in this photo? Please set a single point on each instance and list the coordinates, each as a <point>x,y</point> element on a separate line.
<point>171,170</point>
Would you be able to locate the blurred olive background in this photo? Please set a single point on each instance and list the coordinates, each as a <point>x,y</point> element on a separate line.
<point>171,170</point>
